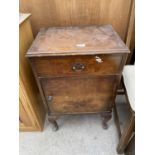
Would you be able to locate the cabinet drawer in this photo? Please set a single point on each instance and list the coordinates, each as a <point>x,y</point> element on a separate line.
<point>77,65</point>
<point>79,95</point>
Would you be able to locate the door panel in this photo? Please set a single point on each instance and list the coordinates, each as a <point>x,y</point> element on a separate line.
<point>79,95</point>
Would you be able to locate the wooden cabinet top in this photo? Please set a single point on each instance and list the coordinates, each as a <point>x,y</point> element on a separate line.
<point>77,40</point>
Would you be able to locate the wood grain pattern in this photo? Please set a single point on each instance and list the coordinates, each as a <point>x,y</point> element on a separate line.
<point>79,95</point>
<point>23,116</point>
<point>75,81</point>
<point>64,66</point>
<point>77,41</point>
<point>31,111</point>
<point>47,13</point>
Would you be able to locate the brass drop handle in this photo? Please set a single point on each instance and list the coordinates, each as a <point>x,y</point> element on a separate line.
<point>77,66</point>
<point>49,98</point>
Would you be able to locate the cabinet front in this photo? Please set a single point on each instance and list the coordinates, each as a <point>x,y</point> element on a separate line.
<point>79,95</point>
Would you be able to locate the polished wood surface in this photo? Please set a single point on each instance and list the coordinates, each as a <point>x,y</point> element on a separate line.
<point>47,13</point>
<point>130,150</point>
<point>67,66</point>
<point>77,41</point>
<point>31,111</point>
<point>79,95</point>
<point>73,80</point>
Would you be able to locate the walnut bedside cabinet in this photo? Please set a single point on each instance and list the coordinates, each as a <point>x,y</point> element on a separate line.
<point>78,69</point>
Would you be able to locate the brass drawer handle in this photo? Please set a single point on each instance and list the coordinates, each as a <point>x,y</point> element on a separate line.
<point>78,66</point>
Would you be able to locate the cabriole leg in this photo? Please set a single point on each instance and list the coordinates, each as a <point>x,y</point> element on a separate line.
<point>54,123</point>
<point>106,117</point>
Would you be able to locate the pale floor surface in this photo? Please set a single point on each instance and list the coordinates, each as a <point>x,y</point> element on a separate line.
<point>77,135</point>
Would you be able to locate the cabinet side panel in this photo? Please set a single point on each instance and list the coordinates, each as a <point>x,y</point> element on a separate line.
<point>29,85</point>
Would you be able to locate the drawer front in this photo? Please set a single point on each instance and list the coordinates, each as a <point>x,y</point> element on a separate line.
<point>78,95</point>
<point>77,65</point>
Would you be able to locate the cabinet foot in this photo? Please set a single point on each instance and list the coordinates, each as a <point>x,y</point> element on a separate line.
<point>106,117</point>
<point>54,124</point>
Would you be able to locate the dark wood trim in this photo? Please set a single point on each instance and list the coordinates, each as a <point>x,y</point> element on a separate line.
<point>124,59</point>
<point>117,79</point>
<point>126,134</point>
<point>39,86</point>
<point>81,113</point>
<point>117,121</point>
<point>128,131</point>
<point>83,76</point>
<point>75,53</point>
<point>120,92</point>
<point>130,150</point>
<point>106,117</point>
<point>52,120</point>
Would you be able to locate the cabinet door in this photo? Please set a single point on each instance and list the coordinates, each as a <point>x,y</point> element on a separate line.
<point>79,95</point>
